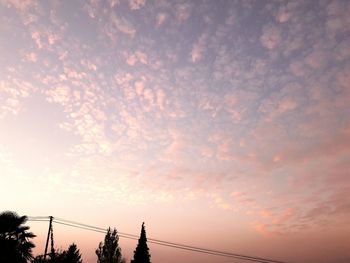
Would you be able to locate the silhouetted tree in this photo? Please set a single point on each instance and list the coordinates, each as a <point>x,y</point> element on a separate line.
<point>141,253</point>
<point>72,254</point>
<point>56,257</point>
<point>15,244</point>
<point>109,251</point>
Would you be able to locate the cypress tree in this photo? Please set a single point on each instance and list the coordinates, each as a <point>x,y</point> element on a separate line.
<point>141,253</point>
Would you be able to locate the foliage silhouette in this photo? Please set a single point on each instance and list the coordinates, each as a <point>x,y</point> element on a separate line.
<point>109,251</point>
<point>141,253</point>
<point>15,244</point>
<point>71,255</point>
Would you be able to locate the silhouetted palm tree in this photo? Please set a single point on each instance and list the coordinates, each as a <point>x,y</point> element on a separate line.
<point>15,244</point>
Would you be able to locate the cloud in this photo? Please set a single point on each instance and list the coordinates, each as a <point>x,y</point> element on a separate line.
<point>183,12</point>
<point>161,17</point>
<point>261,228</point>
<point>161,98</point>
<point>20,5</point>
<point>224,150</point>
<point>113,3</point>
<point>136,4</point>
<point>283,15</point>
<point>37,39</point>
<point>198,48</point>
<point>337,20</point>
<point>285,100</point>
<point>52,38</point>
<point>285,216</point>
<point>271,37</point>
<point>207,152</point>
<point>123,25</point>
<point>343,52</point>
<point>60,94</point>
<point>32,57</point>
<point>176,144</point>
<point>89,64</point>
<point>139,57</point>
<point>44,39</point>
<point>220,202</point>
<point>343,78</point>
<point>317,59</point>
<point>12,94</point>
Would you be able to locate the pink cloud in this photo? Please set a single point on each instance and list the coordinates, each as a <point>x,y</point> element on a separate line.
<point>122,79</point>
<point>32,57</point>
<point>238,194</point>
<point>113,3</point>
<point>161,98</point>
<point>207,152</point>
<point>271,37</point>
<point>131,60</point>
<point>298,68</point>
<point>12,93</point>
<point>343,79</point>
<point>287,104</point>
<point>266,213</point>
<point>220,202</point>
<point>283,15</point>
<point>88,64</point>
<point>20,5</point>
<point>60,94</point>
<point>161,17</point>
<point>177,142</point>
<point>183,12</point>
<point>212,104</point>
<point>261,228</point>
<point>343,51</point>
<point>198,48</point>
<point>123,26</point>
<point>73,74</point>
<point>317,59</point>
<point>37,39</point>
<point>149,96</point>
<point>338,20</point>
<point>284,217</point>
<point>224,150</point>
<point>136,4</point>
<point>138,56</point>
<point>139,87</point>
<point>52,38</point>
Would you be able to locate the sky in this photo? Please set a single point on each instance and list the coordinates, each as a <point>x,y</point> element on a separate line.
<point>220,124</point>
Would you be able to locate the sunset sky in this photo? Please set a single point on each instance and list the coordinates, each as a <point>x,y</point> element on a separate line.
<point>221,124</point>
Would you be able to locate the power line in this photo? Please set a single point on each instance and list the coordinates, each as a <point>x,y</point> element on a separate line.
<point>166,243</point>
<point>155,241</point>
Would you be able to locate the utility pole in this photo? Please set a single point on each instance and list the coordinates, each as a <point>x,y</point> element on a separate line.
<point>48,236</point>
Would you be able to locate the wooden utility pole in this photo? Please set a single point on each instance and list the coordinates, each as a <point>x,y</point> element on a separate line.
<point>48,236</point>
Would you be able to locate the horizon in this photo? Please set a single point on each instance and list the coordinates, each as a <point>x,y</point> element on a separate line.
<point>221,124</point>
